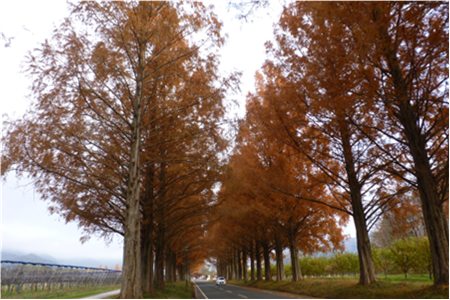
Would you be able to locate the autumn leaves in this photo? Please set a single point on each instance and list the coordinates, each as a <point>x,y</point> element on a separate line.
<point>123,134</point>
<point>350,116</point>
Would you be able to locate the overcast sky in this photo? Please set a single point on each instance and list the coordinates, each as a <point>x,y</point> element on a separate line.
<point>27,227</point>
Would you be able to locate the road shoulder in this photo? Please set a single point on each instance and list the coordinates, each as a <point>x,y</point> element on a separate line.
<point>103,295</point>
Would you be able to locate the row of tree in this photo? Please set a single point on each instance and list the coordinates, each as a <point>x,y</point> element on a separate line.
<point>123,135</point>
<point>349,118</point>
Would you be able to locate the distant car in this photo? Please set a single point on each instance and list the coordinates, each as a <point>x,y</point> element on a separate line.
<point>221,281</point>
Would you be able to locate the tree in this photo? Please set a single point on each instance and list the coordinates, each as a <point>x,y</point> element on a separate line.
<point>82,141</point>
<point>403,220</point>
<point>402,55</point>
<point>382,259</point>
<point>252,210</point>
<point>404,255</point>
<point>310,100</point>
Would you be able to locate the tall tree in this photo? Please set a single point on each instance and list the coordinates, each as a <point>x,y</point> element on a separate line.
<point>82,140</point>
<point>402,54</point>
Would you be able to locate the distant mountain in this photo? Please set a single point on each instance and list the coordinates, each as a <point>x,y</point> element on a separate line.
<point>29,258</point>
<point>9,256</point>
<point>93,263</point>
<point>47,259</point>
<point>35,259</point>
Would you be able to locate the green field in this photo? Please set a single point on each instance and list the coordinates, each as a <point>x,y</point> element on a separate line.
<point>65,293</point>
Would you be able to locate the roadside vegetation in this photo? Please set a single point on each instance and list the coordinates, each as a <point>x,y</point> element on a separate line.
<point>174,290</point>
<point>66,293</point>
<point>403,257</point>
<point>348,288</point>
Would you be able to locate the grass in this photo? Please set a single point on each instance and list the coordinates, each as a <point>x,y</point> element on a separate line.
<point>65,293</point>
<point>176,290</point>
<point>348,288</point>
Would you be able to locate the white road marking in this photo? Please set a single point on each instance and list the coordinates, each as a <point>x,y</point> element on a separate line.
<point>242,296</point>
<point>230,292</point>
<point>221,289</point>
<point>103,295</point>
<point>201,291</point>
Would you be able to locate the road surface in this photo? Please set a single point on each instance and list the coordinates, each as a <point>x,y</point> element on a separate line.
<point>209,290</point>
<point>103,295</point>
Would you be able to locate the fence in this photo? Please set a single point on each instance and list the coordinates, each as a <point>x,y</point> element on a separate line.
<point>18,276</point>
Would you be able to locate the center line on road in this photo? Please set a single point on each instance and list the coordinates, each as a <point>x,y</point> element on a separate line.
<point>242,296</point>
<point>221,289</point>
<point>230,292</point>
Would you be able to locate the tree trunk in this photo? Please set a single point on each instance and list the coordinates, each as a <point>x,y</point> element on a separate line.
<point>279,257</point>
<point>258,261</point>
<point>244,265</point>
<point>159,259</point>
<point>433,211</point>
<point>174,266</point>
<point>147,235</point>
<point>267,269</point>
<point>131,271</point>
<point>232,267</point>
<point>239,262</point>
<point>181,273</point>
<point>147,259</point>
<point>252,261</point>
<point>296,272</point>
<point>366,265</point>
<point>169,265</point>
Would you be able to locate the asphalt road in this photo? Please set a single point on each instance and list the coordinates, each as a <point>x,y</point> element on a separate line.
<point>209,290</point>
<point>103,295</point>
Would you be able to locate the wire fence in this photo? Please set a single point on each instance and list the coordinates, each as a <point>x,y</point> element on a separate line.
<point>19,276</point>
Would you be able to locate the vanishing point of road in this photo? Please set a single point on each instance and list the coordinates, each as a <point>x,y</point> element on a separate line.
<point>209,290</point>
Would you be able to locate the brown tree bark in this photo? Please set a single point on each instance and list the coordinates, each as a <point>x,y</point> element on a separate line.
<point>432,208</point>
<point>147,258</point>
<point>279,257</point>
<point>366,265</point>
<point>267,269</point>
<point>147,235</point>
<point>258,261</point>
<point>181,272</point>
<point>170,265</point>
<point>252,261</point>
<point>131,287</point>
<point>159,258</point>
<point>232,267</point>
<point>296,271</point>
<point>239,263</point>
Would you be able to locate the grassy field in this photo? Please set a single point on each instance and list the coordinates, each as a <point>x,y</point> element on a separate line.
<point>79,292</point>
<point>348,288</point>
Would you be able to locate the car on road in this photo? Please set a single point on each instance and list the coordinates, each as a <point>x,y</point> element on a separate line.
<point>221,281</point>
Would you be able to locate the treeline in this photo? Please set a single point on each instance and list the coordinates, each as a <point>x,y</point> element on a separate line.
<point>349,120</point>
<point>404,256</point>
